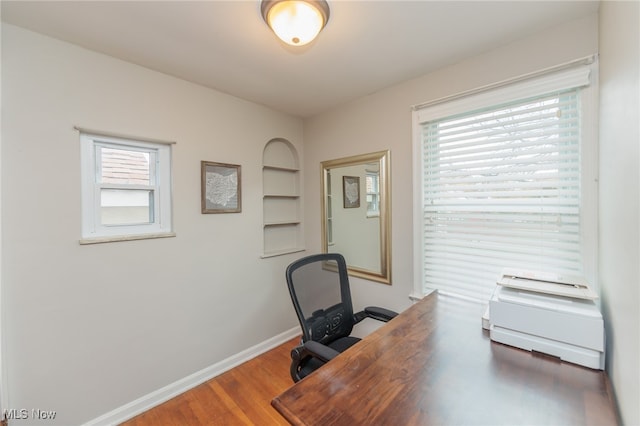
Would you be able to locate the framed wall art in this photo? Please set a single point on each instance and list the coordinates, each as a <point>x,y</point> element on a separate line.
<point>220,188</point>
<point>351,191</point>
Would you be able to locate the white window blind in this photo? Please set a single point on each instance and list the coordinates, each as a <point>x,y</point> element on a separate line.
<point>501,187</point>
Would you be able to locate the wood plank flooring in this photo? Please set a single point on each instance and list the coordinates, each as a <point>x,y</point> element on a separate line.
<point>241,396</point>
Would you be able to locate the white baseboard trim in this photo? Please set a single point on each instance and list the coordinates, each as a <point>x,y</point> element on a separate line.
<point>142,404</point>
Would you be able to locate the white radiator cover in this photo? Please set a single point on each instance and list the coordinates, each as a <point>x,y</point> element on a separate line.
<point>571,329</point>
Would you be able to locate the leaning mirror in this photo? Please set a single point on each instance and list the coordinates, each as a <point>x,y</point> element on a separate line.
<point>356,213</point>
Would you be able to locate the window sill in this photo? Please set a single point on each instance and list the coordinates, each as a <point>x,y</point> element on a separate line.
<point>113,239</point>
<point>415,296</point>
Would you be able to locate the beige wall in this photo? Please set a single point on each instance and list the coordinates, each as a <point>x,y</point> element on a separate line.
<point>620,198</point>
<point>90,328</point>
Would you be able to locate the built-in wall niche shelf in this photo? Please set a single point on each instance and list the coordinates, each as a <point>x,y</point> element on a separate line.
<point>281,201</point>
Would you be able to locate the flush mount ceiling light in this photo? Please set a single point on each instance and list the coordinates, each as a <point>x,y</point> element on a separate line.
<point>296,22</point>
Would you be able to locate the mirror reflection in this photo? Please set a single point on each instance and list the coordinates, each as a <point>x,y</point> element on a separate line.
<point>355,219</point>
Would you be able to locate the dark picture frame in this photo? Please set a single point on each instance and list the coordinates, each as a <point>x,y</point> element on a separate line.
<point>351,191</point>
<point>221,189</point>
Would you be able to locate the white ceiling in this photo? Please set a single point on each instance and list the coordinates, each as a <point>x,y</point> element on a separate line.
<point>225,45</point>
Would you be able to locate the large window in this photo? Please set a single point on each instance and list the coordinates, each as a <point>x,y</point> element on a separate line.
<point>126,188</point>
<point>503,183</point>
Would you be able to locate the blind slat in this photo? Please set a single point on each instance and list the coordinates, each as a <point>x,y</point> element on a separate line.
<point>489,133</point>
<point>567,103</point>
<point>485,164</point>
<point>510,154</point>
<point>564,178</point>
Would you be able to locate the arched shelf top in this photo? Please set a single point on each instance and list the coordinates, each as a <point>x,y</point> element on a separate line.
<point>280,154</point>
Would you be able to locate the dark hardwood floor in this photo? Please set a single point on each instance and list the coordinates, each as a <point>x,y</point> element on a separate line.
<point>241,396</point>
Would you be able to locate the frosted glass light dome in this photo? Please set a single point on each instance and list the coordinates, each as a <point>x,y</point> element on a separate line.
<point>296,22</point>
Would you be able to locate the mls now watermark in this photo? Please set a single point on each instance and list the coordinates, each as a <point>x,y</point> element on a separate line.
<point>25,414</point>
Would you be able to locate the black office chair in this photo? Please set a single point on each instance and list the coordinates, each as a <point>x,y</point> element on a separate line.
<point>319,288</point>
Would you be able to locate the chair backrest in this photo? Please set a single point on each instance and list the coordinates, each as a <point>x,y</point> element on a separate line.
<point>319,289</point>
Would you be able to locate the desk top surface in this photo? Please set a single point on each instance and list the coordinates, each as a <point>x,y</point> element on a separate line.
<point>433,364</point>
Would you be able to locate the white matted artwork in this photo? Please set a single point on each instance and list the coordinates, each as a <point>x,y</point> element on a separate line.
<point>351,191</point>
<point>221,190</point>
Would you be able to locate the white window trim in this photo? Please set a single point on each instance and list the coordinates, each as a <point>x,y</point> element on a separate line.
<point>520,88</point>
<point>92,231</point>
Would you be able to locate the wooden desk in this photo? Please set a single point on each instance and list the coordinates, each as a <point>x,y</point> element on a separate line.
<point>434,364</point>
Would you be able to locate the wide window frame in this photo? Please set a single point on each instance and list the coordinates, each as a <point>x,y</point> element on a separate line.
<point>159,186</point>
<point>583,76</point>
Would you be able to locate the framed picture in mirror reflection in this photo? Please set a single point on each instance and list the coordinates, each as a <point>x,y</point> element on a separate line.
<point>351,191</point>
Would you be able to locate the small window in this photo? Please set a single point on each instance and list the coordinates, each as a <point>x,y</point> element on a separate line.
<point>373,194</point>
<point>126,189</point>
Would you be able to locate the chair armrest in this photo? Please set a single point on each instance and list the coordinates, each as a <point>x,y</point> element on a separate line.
<point>309,349</point>
<point>320,351</point>
<point>375,312</point>
<point>381,314</point>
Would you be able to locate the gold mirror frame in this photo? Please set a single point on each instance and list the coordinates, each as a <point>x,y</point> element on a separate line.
<point>382,159</point>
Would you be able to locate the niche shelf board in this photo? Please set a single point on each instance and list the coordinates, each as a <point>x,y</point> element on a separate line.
<point>281,252</point>
<point>282,223</point>
<point>280,168</point>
